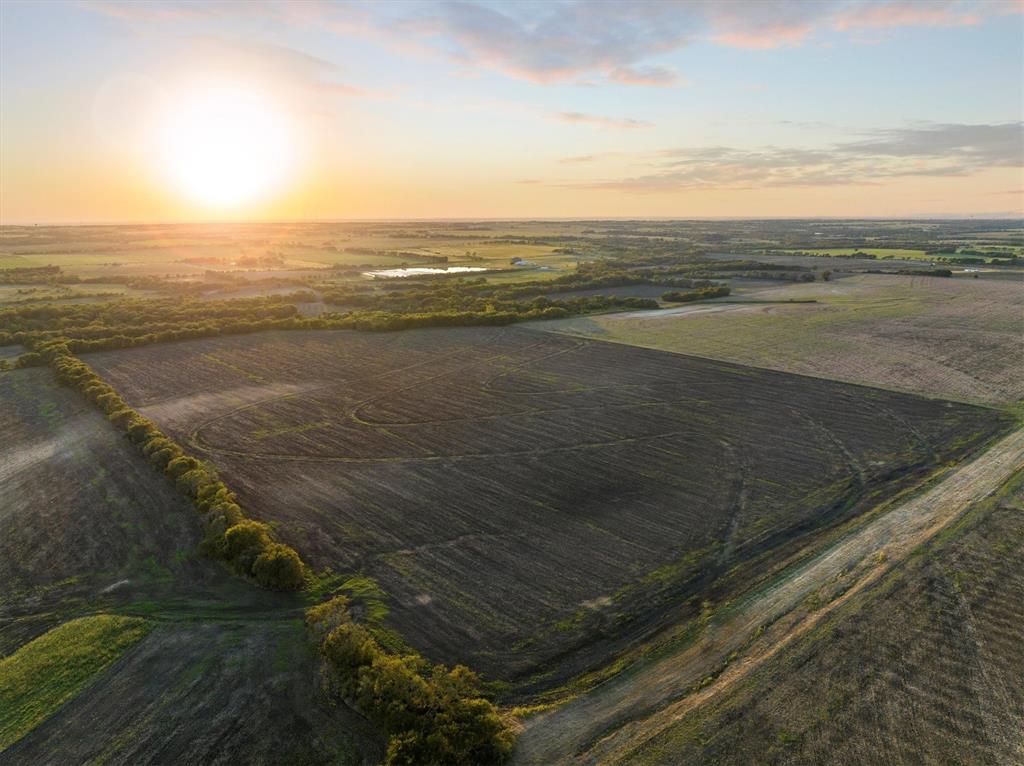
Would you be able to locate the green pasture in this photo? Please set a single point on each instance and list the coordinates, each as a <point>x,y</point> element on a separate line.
<point>45,673</point>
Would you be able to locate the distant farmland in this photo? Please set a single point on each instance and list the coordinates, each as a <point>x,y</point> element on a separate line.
<point>955,338</point>
<point>533,503</point>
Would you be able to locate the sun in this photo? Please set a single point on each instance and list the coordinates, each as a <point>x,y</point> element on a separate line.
<point>222,145</point>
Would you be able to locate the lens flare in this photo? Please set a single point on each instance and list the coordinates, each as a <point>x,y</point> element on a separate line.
<point>223,145</point>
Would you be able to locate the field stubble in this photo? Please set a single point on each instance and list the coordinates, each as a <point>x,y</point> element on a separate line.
<point>954,338</point>
<point>641,477</point>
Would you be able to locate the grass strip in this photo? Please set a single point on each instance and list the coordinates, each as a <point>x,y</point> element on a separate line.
<point>57,666</point>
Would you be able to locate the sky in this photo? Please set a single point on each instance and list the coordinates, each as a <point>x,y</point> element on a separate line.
<point>314,110</point>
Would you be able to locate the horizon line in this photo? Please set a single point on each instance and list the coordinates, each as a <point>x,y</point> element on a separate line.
<point>945,217</point>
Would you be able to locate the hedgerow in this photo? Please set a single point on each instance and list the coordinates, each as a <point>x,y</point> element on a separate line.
<point>716,291</point>
<point>466,311</point>
<point>247,546</point>
<point>431,714</point>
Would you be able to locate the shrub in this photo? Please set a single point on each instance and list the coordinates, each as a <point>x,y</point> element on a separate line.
<point>189,482</point>
<point>162,457</point>
<point>109,402</point>
<point>181,464</point>
<point>212,494</point>
<point>323,618</point>
<point>347,649</point>
<point>156,443</point>
<point>245,540</point>
<point>432,715</point>
<point>279,567</point>
<point>31,359</point>
<point>122,418</point>
<point>219,520</point>
<point>141,431</point>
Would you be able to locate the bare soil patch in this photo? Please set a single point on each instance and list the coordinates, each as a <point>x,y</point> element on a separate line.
<point>533,504</point>
<point>211,694</point>
<point>81,510</point>
<point>636,707</point>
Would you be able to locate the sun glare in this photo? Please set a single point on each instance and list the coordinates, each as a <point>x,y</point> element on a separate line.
<point>224,145</point>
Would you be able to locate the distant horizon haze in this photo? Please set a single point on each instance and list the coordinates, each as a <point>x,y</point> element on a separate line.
<point>152,111</point>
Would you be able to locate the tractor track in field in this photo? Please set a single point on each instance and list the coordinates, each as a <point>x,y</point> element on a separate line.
<point>609,722</point>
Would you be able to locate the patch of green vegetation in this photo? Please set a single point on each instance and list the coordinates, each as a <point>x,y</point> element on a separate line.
<point>156,570</point>
<point>142,607</point>
<point>367,596</point>
<point>15,595</point>
<point>47,672</point>
<point>430,713</point>
<point>48,410</point>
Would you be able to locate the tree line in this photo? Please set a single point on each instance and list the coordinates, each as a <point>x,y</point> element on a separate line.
<point>431,714</point>
<point>716,291</point>
<point>247,546</point>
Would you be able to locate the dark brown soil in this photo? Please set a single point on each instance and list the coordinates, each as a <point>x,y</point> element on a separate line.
<point>533,503</point>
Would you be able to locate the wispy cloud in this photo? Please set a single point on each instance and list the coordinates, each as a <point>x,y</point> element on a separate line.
<point>907,14</point>
<point>764,25</point>
<point>933,150</point>
<point>614,41</point>
<point>581,159</point>
<point>576,40</point>
<point>968,146</point>
<point>645,75</point>
<point>569,41</point>
<point>301,73</point>
<point>609,123</point>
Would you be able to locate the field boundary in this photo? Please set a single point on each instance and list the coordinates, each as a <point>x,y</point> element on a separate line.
<point>246,545</point>
<point>765,623</point>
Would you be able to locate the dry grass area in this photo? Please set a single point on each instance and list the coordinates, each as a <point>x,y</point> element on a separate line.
<point>691,671</point>
<point>953,338</point>
<point>925,667</point>
<point>640,477</point>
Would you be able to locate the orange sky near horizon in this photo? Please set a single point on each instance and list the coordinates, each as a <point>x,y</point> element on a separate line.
<point>155,112</point>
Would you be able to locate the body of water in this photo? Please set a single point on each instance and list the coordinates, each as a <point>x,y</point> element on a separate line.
<point>419,272</point>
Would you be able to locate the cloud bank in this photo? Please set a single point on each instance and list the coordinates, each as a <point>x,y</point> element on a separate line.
<point>615,41</point>
<point>578,40</point>
<point>932,150</point>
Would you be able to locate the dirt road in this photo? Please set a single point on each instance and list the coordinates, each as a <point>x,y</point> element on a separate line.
<point>604,725</point>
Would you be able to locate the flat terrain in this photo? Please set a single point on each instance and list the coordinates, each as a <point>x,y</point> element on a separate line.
<point>208,692</point>
<point>657,543</point>
<point>954,338</point>
<point>83,517</point>
<point>641,478</point>
<point>189,251</point>
<point>87,525</point>
<point>637,716</point>
<point>932,648</point>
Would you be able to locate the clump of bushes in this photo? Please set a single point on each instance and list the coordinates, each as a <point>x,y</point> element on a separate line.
<point>430,713</point>
<point>714,291</point>
<point>247,545</point>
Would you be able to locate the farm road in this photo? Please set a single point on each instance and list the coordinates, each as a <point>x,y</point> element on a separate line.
<point>605,725</point>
